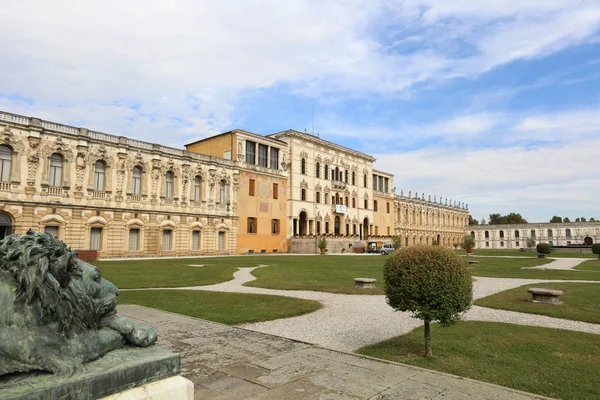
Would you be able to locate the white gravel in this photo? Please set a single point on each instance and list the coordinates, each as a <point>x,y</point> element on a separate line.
<point>348,322</point>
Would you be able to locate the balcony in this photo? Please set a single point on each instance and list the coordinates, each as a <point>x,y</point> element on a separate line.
<point>338,185</point>
<point>4,186</point>
<point>339,208</point>
<point>135,198</point>
<point>98,195</point>
<point>55,191</point>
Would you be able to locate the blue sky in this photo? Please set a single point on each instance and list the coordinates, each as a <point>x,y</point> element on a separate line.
<point>495,104</point>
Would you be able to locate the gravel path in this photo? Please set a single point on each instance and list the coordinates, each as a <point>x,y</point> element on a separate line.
<point>561,263</point>
<point>348,322</point>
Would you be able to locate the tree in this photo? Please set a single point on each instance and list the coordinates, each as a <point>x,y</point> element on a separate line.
<point>322,244</point>
<point>396,242</point>
<point>512,218</point>
<point>577,219</point>
<point>556,219</point>
<point>472,221</point>
<point>566,219</point>
<point>431,282</point>
<point>543,249</point>
<point>592,219</point>
<point>530,242</point>
<point>596,249</point>
<point>482,221</point>
<point>468,242</point>
<point>583,219</point>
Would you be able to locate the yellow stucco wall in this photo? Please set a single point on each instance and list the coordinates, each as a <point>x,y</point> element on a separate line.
<point>263,207</point>
<point>215,146</point>
<point>382,219</point>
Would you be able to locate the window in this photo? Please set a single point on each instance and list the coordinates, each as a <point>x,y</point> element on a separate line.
<point>318,170</point>
<point>326,227</point>
<point>380,186</point>
<point>366,204</point>
<point>303,194</point>
<point>318,197</point>
<point>275,226</point>
<point>353,178</point>
<point>303,166</point>
<point>56,165</point>
<point>375,182</point>
<point>517,234</point>
<point>262,155</point>
<point>487,234</point>
<point>337,174</point>
<point>251,187</point>
<point>169,185</point>
<point>222,191</point>
<point>99,168</point>
<point>134,239</point>
<point>197,188</point>
<point>472,234</point>
<point>326,171</point>
<point>318,227</point>
<point>353,202</point>
<point>346,176</point>
<point>517,244</point>
<point>487,244</point>
<point>195,240</point>
<point>325,199</point>
<point>95,238</point>
<point>387,206</point>
<point>376,231</point>
<point>136,181</point>
<point>365,180</point>
<point>251,225</point>
<point>166,236</point>
<point>549,233</point>
<point>568,232</point>
<point>347,204</point>
<point>275,190</point>
<point>533,233</point>
<point>501,234</point>
<point>221,241</point>
<point>52,231</point>
<point>5,158</point>
<point>386,183</point>
<point>374,205</point>
<point>501,244</point>
<point>274,160</point>
<point>250,152</point>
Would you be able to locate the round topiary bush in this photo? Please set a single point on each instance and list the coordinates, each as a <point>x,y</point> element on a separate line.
<point>596,249</point>
<point>543,249</point>
<point>431,282</point>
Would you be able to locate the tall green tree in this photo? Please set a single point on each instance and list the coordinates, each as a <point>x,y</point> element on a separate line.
<point>583,219</point>
<point>473,221</point>
<point>577,219</point>
<point>566,219</point>
<point>512,218</point>
<point>592,219</point>
<point>556,219</point>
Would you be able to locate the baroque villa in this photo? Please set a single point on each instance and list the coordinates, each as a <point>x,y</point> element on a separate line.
<point>237,192</point>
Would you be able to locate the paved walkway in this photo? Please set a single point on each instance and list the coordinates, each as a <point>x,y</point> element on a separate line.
<point>227,363</point>
<point>346,322</point>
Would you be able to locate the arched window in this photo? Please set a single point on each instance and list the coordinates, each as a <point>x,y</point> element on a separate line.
<point>567,232</point>
<point>472,234</point>
<point>5,158</point>
<point>501,234</point>
<point>487,234</point>
<point>303,166</point>
<point>136,181</point>
<point>56,166</point>
<point>169,185</point>
<point>516,234</point>
<point>353,178</point>
<point>326,171</point>
<point>197,188</point>
<point>222,191</point>
<point>533,233</point>
<point>318,170</point>
<point>549,233</point>
<point>99,168</point>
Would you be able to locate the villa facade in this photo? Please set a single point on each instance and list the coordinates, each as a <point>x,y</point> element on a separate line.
<point>238,192</point>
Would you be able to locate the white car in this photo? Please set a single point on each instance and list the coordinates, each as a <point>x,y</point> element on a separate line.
<point>387,249</point>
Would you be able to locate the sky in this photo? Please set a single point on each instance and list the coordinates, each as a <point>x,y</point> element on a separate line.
<point>492,103</point>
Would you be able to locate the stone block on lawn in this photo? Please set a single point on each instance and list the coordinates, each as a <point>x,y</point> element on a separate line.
<point>545,296</point>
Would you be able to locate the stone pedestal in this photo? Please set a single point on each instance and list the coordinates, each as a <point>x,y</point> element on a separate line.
<point>545,296</point>
<point>365,283</point>
<point>115,372</point>
<point>173,388</point>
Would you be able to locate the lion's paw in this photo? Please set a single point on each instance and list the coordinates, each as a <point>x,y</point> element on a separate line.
<point>142,336</point>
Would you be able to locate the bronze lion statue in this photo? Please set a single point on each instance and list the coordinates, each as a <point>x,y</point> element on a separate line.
<point>56,311</point>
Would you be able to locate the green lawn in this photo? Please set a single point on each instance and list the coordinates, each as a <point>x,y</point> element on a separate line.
<point>517,253</point>
<point>171,272</point>
<point>580,301</point>
<point>551,362</point>
<point>226,308</point>
<point>334,274</point>
<point>496,267</point>
<point>592,265</point>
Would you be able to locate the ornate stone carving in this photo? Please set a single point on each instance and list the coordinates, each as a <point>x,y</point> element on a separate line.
<point>80,164</point>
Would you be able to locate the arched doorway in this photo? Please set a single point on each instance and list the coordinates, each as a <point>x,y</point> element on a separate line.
<point>588,241</point>
<point>302,224</point>
<point>336,226</point>
<point>365,229</point>
<point>6,224</point>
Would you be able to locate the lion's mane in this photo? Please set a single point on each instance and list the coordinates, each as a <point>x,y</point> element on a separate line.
<point>45,274</point>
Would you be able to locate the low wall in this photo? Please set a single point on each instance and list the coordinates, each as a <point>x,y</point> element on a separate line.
<point>334,245</point>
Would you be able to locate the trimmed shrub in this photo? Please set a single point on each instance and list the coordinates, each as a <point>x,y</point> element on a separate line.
<point>431,282</point>
<point>468,242</point>
<point>596,249</point>
<point>543,249</point>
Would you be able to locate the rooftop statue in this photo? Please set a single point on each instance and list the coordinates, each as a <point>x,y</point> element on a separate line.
<point>57,312</point>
